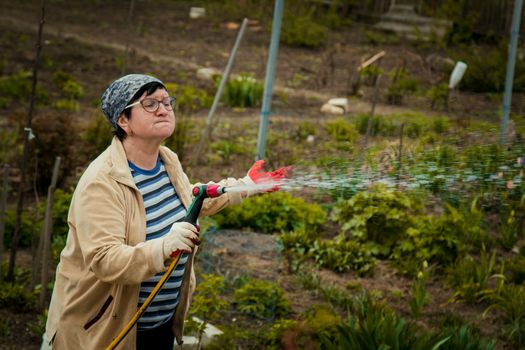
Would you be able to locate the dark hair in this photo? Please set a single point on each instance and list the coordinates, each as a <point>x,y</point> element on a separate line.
<point>149,88</point>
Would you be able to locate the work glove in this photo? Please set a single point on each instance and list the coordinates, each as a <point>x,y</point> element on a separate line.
<point>182,237</point>
<point>272,178</point>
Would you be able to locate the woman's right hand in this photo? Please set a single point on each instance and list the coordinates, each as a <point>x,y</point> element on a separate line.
<point>182,237</point>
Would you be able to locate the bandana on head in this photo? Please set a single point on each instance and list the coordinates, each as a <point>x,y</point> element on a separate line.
<point>120,92</point>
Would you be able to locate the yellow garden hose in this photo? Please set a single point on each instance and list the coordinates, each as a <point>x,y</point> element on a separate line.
<point>144,306</point>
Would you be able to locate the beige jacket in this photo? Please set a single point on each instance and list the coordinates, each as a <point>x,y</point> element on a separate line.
<point>106,256</point>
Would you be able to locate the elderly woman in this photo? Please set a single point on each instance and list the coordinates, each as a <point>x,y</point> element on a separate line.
<point>125,226</point>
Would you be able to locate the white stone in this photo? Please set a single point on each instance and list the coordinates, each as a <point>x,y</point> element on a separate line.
<point>190,342</point>
<point>207,73</point>
<point>197,12</point>
<point>339,102</point>
<point>331,109</point>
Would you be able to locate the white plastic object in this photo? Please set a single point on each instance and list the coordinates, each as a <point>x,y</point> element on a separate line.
<point>197,12</point>
<point>457,74</point>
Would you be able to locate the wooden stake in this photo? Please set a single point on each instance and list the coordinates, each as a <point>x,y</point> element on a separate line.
<point>28,135</point>
<point>46,236</point>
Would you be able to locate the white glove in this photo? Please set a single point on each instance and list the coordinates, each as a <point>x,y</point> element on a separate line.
<point>182,237</point>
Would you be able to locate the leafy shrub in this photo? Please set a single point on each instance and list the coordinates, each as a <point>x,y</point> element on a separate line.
<point>304,129</point>
<point>438,95</point>
<point>29,226</point>
<point>402,85</point>
<point>413,130</point>
<point>370,73</point>
<point>341,130</point>
<point>299,29</point>
<point>97,135</point>
<point>66,105</point>
<point>226,149</point>
<point>435,240</point>
<point>243,91</point>
<point>18,87</point>
<point>380,216</point>
<point>261,299</point>
<point>16,296</point>
<point>277,212</point>
<point>440,125</point>
<point>342,254</point>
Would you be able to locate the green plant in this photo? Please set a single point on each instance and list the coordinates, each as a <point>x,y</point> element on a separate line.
<point>402,85</point>
<point>374,326</point>
<point>379,125</point>
<point>341,130</point>
<point>440,125</point>
<point>509,231</point>
<point>379,216</point>
<point>243,91</point>
<point>207,303</point>
<point>16,296</point>
<point>30,225</point>
<point>189,98</point>
<point>304,129</point>
<point>438,95</point>
<point>299,29</point>
<point>278,212</point>
<point>515,269</point>
<point>463,337</point>
<point>342,254</point>
<point>226,149</point>
<point>418,291</point>
<point>471,278</point>
<point>261,299</point>
<point>18,87</point>
<point>511,301</point>
<point>97,135</point>
<point>370,73</point>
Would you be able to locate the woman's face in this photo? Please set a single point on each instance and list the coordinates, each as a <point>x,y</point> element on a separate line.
<point>150,126</point>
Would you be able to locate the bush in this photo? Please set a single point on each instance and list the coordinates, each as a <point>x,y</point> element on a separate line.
<point>97,135</point>
<point>402,85</point>
<point>29,227</point>
<point>299,29</point>
<point>276,212</point>
<point>261,299</point>
<point>18,87</point>
<point>379,216</point>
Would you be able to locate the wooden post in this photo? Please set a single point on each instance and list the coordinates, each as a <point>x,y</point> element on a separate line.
<point>46,236</point>
<point>3,208</point>
<point>28,135</point>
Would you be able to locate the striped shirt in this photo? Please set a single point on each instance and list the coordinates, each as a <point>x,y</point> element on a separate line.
<point>163,208</point>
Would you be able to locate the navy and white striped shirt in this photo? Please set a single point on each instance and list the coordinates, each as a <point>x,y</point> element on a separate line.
<point>163,208</point>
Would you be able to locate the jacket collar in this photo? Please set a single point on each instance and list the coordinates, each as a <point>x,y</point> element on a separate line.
<point>119,170</point>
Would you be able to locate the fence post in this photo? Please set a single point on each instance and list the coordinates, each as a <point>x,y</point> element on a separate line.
<point>46,236</point>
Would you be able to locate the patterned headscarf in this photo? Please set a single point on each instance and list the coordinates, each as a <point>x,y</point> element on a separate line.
<point>120,92</point>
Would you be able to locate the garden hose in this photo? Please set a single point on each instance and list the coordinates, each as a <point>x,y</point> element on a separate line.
<point>200,193</point>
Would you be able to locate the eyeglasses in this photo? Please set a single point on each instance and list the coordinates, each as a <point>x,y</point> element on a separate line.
<point>152,105</point>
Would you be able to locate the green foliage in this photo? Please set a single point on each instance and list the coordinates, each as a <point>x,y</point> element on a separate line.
<point>464,338</point>
<point>438,95</point>
<point>276,212</point>
<point>515,269</point>
<point>511,301</point>
<point>61,203</point>
<point>189,98</point>
<point>342,254</point>
<point>341,130</point>
<point>8,141</point>
<point>418,291</point>
<point>17,88</point>
<point>381,38</point>
<point>374,326</point>
<point>509,230</point>
<point>370,73</point>
<point>379,216</point>
<point>16,296</point>
<point>471,278</point>
<point>66,105</point>
<point>402,85</point>
<point>97,135</point>
<point>304,129</point>
<point>380,126</point>
<point>299,29</point>
<point>487,69</point>
<point>29,226</point>
<point>261,299</point>
<point>226,149</point>
<point>243,91</point>
<point>440,125</point>
<point>207,303</point>
<point>277,331</point>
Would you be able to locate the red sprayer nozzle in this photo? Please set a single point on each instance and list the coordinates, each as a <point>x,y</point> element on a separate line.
<point>214,191</point>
